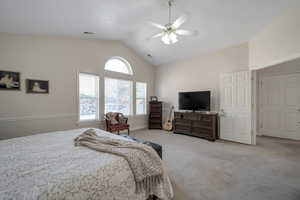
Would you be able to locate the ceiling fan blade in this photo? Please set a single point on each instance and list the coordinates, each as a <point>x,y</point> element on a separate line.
<point>178,22</point>
<point>186,32</point>
<point>158,35</point>
<point>158,25</point>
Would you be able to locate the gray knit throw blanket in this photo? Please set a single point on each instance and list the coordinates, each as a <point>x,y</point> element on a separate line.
<point>143,161</point>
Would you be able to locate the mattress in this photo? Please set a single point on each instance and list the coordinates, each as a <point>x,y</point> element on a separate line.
<point>49,166</point>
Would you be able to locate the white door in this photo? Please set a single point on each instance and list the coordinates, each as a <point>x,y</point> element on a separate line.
<point>279,106</point>
<point>235,102</point>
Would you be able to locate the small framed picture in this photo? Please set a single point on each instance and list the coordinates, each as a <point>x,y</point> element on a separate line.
<point>153,98</point>
<point>37,86</point>
<point>10,80</point>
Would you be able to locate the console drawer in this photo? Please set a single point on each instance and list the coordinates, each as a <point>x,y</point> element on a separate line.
<point>203,125</point>
<point>184,122</point>
<point>182,129</point>
<point>155,115</point>
<point>190,116</point>
<point>202,131</point>
<point>206,118</point>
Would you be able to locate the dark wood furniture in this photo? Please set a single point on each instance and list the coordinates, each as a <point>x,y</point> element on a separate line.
<point>116,122</point>
<point>198,124</point>
<point>155,115</point>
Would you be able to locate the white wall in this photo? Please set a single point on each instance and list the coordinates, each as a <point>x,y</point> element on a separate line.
<point>57,59</point>
<point>199,73</point>
<point>278,42</point>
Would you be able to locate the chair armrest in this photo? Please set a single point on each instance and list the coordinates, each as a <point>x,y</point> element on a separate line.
<point>124,120</point>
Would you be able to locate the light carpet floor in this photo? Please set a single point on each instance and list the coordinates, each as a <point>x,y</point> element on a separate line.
<point>203,170</point>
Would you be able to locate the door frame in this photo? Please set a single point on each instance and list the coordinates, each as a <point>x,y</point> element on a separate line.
<point>255,90</point>
<point>254,106</point>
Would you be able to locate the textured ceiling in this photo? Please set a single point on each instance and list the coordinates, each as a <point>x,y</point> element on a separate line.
<point>220,23</point>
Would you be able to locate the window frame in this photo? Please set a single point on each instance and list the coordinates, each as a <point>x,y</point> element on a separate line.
<point>136,98</point>
<point>131,112</point>
<point>127,64</point>
<point>98,117</point>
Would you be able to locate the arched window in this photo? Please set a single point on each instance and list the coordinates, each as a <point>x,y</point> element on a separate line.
<point>118,64</point>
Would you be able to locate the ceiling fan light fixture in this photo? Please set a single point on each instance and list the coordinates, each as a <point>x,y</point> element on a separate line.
<point>169,38</point>
<point>173,37</point>
<point>169,32</point>
<point>165,39</point>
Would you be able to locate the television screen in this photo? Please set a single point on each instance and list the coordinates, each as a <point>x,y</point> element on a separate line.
<point>194,101</point>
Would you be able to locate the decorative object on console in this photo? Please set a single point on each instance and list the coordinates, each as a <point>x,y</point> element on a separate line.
<point>155,115</point>
<point>116,122</point>
<point>153,98</point>
<point>37,86</point>
<point>198,124</point>
<point>10,80</point>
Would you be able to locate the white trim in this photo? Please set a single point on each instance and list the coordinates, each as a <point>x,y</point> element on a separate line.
<point>37,117</point>
<point>127,64</point>
<point>277,62</point>
<point>139,128</point>
<point>254,101</point>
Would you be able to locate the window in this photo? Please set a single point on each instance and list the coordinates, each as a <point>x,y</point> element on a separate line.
<point>88,97</point>
<point>118,64</point>
<point>118,96</point>
<point>141,98</point>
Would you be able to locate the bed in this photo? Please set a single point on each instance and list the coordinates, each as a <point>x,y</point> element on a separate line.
<point>49,166</point>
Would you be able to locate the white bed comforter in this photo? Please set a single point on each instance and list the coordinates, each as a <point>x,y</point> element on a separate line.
<point>49,166</point>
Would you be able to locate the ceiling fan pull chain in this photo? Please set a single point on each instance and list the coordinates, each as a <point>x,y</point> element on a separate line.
<point>170,4</point>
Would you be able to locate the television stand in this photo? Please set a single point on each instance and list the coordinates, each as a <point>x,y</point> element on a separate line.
<point>198,124</point>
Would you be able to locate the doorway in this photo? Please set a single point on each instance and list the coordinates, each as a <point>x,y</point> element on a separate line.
<point>278,101</point>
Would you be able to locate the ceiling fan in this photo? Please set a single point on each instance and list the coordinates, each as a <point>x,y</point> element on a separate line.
<point>170,31</point>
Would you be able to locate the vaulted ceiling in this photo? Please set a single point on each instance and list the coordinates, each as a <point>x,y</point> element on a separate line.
<point>220,23</point>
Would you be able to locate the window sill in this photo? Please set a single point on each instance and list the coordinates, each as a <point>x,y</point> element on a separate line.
<point>141,115</point>
<point>137,115</point>
<point>89,121</point>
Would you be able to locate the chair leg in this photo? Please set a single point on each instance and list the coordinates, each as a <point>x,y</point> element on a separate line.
<point>118,132</point>
<point>128,131</point>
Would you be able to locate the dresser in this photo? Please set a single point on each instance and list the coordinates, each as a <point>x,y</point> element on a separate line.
<point>198,124</point>
<point>155,115</point>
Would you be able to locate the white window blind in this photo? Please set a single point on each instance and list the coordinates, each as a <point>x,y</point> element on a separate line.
<point>141,98</point>
<point>88,97</point>
<point>118,96</point>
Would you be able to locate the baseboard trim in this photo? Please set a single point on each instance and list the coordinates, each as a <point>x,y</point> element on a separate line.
<point>139,128</point>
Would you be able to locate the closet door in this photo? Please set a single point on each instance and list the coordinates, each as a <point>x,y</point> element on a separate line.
<point>290,85</point>
<point>280,106</point>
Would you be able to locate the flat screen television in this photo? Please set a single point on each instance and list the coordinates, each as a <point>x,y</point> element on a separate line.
<point>196,101</point>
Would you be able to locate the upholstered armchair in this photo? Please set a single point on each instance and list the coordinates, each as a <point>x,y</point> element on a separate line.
<point>116,122</point>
